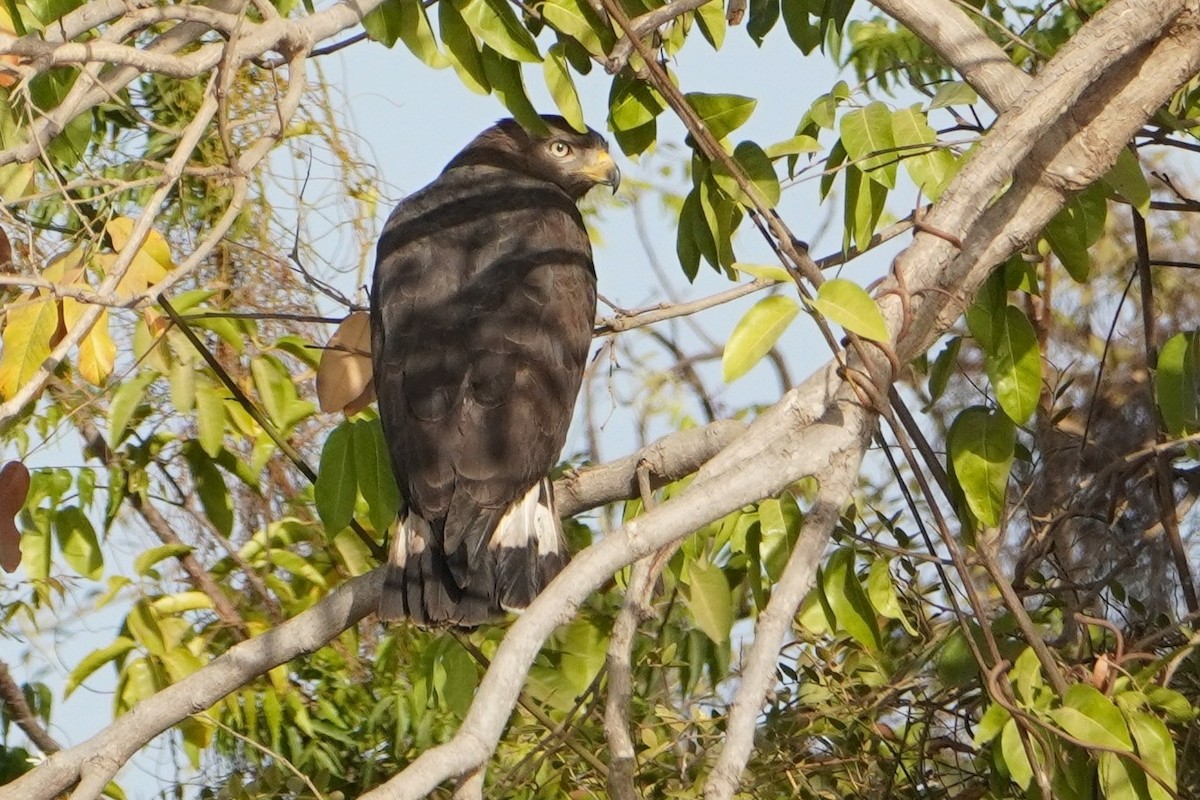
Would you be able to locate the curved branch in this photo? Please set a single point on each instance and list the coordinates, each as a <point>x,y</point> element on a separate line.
<point>95,761</point>
<point>773,625</point>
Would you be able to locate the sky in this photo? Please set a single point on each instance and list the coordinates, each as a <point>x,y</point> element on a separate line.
<point>412,120</point>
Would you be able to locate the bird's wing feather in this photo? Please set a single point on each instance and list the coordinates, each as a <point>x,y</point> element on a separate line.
<point>483,302</point>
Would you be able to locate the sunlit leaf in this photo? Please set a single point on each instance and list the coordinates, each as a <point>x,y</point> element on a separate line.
<point>709,600</point>
<point>78,543</point>
<point>94,660</point>
<point>981,444</point>
<point>848,304</point>
<point>756,333</point>
<point>28,325</point>
<point>869,141</point>
<point>495,22</point>
<point>1014,365</point>
<point>562,87</point>
<point>148,558</point>
<point>462,50</point>
<point>1092,718</point>
<point>1175,384</point>
<point>722,114</point>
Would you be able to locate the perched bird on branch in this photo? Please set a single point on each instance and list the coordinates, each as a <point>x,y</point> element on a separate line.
<point>481,317</point>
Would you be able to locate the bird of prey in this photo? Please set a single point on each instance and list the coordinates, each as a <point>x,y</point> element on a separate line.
<point>482,307</point>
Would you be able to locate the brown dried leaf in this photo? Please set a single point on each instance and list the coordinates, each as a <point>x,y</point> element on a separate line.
<point>344,376</point>
<point>14,488</point>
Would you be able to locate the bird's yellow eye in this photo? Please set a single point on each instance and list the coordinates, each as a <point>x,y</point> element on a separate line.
<point>560,149</point>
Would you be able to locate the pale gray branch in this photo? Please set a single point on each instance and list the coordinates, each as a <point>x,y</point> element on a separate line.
<point>775,622</point>
<point>96,760</point>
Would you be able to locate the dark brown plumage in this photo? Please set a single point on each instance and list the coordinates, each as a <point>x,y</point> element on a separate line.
<point>481,316</point>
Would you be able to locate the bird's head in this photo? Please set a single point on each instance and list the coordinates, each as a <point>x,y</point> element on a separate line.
<point>560,154</point>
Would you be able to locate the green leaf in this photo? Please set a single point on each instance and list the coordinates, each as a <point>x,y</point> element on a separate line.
<point>210,486</point>
<point>173,604</point>
<point>848,601</point>
<point>869,141</point>
<point>722,114</point>
<point>943,367</point>
<point>577,20</point>
<point>507,84</point>
<point>1076,227</point>
<point>125,401</point>
<point>405,20</point>
<point>709,600</point>
<point>953,93</point>
<point>768,272</point>
<point>183,385</point>
<point>848,304</point>
<point>1120,779</point>
<point>562,87</point>
<point>929,166</point>
<point>77,540</point>
<point>297,565</point>
<point>794,146</point>
<point>1015,365</point>
<point>143,624</point>
<point>1128,181</point>
<point>632,103</point>
<point>210,418</point>
<point>691,218</point>
<point>462,49</point>
<point>763,16</point>
<point>374,473</point>
<point>497,25</point>
<point>991,724</point>
<point>981,444</point>
<point>1175,384</point>
<point>756,333</point>
<point>804,34</point>
<point>148,558</point>
<point>1157,750</point>
<point>337,483</point>
<point>711,18</point>
<point>94,660</point>
<point>865,202</point>
<point>35,550</point>
<point>757,168</point>
<point>1015,758</point>
<point>881,590</point>
<point>1092,718</point>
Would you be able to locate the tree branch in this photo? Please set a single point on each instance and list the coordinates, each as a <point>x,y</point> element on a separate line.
<point>20,713</point>
<point>775,622</point>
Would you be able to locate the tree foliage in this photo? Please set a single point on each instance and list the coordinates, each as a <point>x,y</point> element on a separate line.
<point>995,601</point>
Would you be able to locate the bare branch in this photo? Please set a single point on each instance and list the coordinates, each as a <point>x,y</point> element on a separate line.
<point>774,623</point>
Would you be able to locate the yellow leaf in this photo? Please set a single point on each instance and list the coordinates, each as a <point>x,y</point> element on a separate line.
<point>97,351</point>
<point>29,324</point>
<point>155,246</point>
<point>151,263</point>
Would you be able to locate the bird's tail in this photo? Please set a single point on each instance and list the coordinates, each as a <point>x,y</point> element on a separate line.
<point>522,555</point>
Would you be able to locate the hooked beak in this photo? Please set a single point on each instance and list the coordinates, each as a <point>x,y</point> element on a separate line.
<point>603,169</point>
